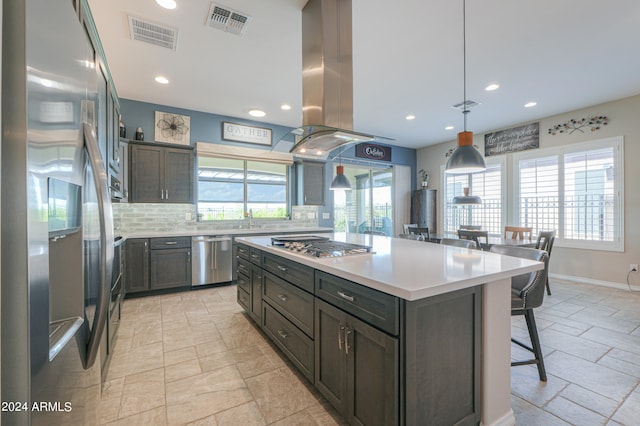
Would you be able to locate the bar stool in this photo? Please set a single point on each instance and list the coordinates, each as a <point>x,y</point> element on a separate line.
<point>545,242</point>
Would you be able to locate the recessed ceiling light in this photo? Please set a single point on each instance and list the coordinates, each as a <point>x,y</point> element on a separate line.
<point>410,117</point>
<point>162,80</point>
<point>492,86</point>
<point>257,113</point>
<point>530,104</point>
<point>449,128</point>
<point>167,4</point>
<point>318,152</point>
<point>286,107</point>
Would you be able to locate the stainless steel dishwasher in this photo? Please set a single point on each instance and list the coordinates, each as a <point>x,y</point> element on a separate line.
<point>211,260</point>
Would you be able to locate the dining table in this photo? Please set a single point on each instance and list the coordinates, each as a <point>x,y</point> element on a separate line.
<point>491,241</point>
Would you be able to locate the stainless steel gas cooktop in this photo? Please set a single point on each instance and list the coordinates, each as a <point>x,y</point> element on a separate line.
<point>316,246</point>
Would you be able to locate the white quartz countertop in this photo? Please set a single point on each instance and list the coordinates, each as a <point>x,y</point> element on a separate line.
<point>232,232</point>
<point>408,269</point>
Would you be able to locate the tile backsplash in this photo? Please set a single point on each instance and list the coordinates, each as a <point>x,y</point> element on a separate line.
<point>150,217</point>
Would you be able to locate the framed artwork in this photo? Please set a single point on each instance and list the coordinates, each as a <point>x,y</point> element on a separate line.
<point>172,128</point>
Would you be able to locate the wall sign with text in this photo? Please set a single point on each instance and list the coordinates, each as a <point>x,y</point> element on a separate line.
<point>511,140</point>
<point>373,151</point>
<point>243,133</point>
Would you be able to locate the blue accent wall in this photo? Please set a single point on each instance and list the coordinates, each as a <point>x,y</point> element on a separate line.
<point>207,127</point>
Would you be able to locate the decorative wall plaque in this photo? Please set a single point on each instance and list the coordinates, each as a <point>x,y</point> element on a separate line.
<point>512,140</point>
<point>172,128</point>
<point>243,133</point>
<point>373,152</point>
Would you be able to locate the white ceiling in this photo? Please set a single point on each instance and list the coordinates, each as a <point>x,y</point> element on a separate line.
<point>407,59</point>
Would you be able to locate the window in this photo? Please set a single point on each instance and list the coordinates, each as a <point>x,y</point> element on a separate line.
<point>576,190</point>
<point>231,189</point>
<point>488,186</point>
<point>368,206</point>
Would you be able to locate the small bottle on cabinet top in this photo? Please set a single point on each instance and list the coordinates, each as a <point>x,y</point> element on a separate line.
<point>139,134</point>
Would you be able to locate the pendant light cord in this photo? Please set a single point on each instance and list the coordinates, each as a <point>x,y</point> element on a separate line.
<point>465,111</point>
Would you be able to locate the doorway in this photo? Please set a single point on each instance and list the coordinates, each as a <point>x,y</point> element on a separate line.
<point>368,206</point>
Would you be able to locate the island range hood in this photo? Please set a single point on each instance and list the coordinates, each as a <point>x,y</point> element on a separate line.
<point>327,81</point>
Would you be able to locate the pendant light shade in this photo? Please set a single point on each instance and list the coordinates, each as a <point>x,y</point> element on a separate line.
<point>466,198</point>
<point>340,181</point>
<point>465,158</point>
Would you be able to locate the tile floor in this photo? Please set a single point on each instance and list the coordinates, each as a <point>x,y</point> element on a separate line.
<point>195,358</point>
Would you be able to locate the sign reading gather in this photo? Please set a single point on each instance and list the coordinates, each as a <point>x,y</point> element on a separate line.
<point>242,133</point>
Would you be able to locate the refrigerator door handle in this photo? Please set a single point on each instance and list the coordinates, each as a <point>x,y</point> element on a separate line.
<point>106,243</point>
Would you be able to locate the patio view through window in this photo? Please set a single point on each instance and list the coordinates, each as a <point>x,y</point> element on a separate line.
<point>231,189</point>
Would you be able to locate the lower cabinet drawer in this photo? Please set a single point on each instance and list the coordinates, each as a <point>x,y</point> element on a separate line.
<point>243,299</point>
<point>293,303</point>
<point>293,342</point>
<point>244,282</point>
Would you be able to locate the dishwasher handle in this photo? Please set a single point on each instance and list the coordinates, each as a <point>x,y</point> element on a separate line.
<point>209,239</point>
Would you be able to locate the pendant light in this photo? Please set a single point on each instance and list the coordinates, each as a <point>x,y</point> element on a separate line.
<point>340,181</point>
<point>465,158</point>
<point>466,198</point>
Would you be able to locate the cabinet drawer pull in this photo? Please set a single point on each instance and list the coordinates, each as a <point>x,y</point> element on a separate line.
<point>171,243</point>
<point>346,341</point>
<point>255,256</point>
<point>166,194</point>
<point>282,334</point>
<point>340,330</point>
<point>241,281</point>
<point>282,268</point>
<point>283,297</point>
<point>346,296</point>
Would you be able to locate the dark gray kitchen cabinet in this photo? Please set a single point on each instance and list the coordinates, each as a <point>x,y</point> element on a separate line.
<point>356,367</point>
<point>160,174</point>
<point>256,293</point>
<point>170,263</point>
<point>136,265</point>
<point>310,183</point>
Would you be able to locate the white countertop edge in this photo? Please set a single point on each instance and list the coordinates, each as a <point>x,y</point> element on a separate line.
<point>223,232</point>
<point>328,265</point>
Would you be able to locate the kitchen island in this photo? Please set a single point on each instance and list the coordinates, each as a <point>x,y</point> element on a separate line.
<point>414,333</point>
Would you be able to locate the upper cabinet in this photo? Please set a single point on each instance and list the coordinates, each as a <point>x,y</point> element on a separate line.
<point>160,174</point>
<point>310,183</point>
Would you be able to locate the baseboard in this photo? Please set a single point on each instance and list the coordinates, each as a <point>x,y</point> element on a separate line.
<point>589,281</point>
<point>509,419</point>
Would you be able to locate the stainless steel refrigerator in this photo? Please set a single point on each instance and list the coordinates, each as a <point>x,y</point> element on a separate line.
<point>57,228</point>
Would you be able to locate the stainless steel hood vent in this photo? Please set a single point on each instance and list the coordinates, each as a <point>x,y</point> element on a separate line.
<point>327,81</point>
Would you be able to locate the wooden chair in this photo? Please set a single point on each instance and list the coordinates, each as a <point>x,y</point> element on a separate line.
<point>545,242</point>
<point>527,293</point>
<point>470,244</point>
<point>517,233</point>
<point>466,234</point>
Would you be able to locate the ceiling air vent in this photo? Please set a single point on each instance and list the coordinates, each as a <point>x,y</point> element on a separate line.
<point>152,33</point>
<point>468,104</point>
<point>227,19</point>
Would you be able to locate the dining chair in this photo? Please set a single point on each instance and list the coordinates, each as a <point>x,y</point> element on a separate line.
<point>545,242</point>
<point>470,244</point>
<point>467,234</point>
<point>517,232</point>
<point>471,227</point>
<point>527,293</point>
<point>406,226</point>
<point>416,237</point>
<point>419,230</point>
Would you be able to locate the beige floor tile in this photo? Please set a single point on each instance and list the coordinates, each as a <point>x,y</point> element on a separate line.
<point>208,393</point>
<point>246,415</point>
<point>573,413</point>
<point>156,417</point>
<point>629,411</point>
<point>279,394</point>
<point>230,357</point>
<point>586,398</point>
<point>180,355</point>
<point>145,335</point>
<point>136,360</point>
<point>142,392</point>
<point>182,370</point>
<point>109,409</point>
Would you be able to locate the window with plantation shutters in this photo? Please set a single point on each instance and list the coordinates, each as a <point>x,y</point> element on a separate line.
<point>488,186</point>
<point>576,190</point>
